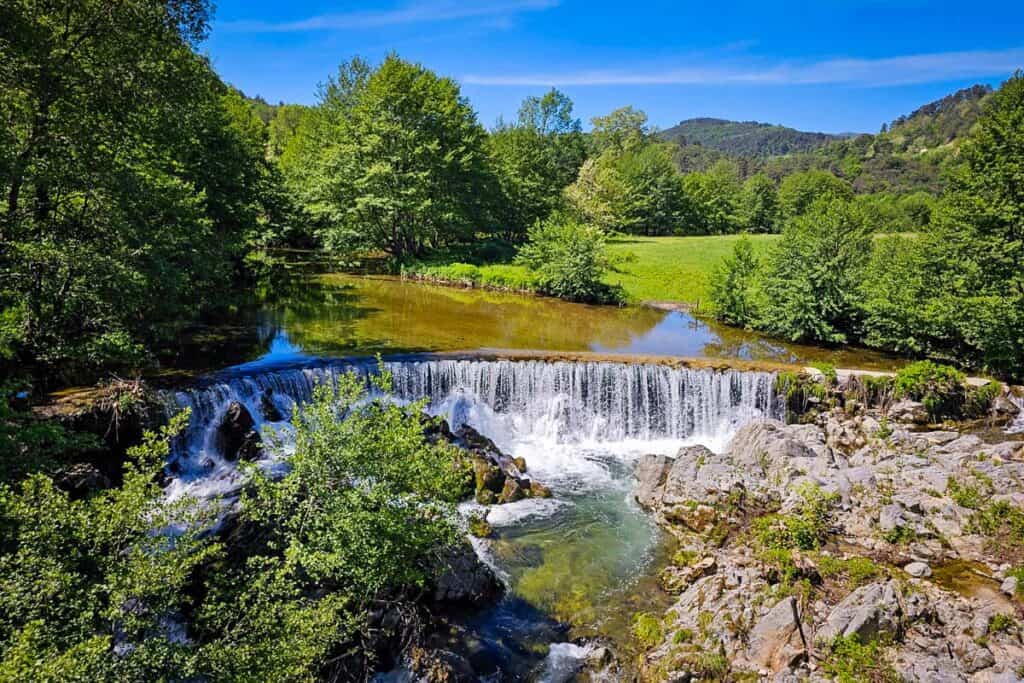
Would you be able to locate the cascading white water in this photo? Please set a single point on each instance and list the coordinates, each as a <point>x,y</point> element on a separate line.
<point>1017,426</point>
<point>549,403</point>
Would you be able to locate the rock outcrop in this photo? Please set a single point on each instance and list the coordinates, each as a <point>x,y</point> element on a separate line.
<point>894,538</point>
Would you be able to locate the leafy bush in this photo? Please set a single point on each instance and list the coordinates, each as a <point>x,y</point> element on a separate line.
<point>570,258</point>
<point>939,387</point>
<point>856,571</point>
<point>813,273</point>
<point>734,286</point>
<point>978,402</point>
<point>805,528</point>
<point>851,661</point>
<point>81,579</point>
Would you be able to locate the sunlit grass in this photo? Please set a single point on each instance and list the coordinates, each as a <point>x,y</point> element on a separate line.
<point>676,269</point>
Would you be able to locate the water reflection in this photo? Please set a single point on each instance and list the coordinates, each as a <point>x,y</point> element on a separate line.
<point>333,314</point>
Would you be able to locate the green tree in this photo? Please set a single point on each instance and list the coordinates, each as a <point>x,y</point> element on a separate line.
<point>759,204</point>
<point>396,161</point>
<point>812,275</point>
<point>128,190</point>
<point>637,191</point>
<point>534,160</point>
<point>283,127</point>
<point>620,130</point>
<point>960,293</point>
<point>713,200</point>
<point>798,191</point>
<point>734,296</point>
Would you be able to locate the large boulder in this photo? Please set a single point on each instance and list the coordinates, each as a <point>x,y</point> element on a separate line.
<point>868,612</point>
<point>777,453</point>
<point>461,578</point>
<point>651,472</point>
<point>237,438</point>
<point>775,640</point>
<point>692,488</point>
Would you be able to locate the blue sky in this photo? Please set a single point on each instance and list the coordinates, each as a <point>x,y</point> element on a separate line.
<point>830,65</point>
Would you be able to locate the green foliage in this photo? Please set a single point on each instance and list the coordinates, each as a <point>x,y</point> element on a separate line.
<point>713,200</point>
<point>978,402</point>
<point>805,528</point>
<point>78,578</point>
<point>799,191</point>
<point>570,259</point>
<point>365,510</point>
<point>131,183</point>
<point>965,495</point>
<point>734,286</point>
<point>759,204</point>
<point>534,160</point>
<point>853,571</point>
<point>30,445</point>
<point>851,661</point>
<point>392,158</point>
<point>647,629</point>
<point>635,189</point>
<point>939,387</point>
<point>813,273</point>
<point>620,130</point>
<point>1001,521</point>
<point>956,291</point>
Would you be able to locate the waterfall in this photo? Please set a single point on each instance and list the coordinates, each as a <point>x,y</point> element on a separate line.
<point>1017,426</point>
<point>549,402</point>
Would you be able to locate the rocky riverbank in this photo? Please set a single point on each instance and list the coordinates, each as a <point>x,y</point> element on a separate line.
<point>859,546</point>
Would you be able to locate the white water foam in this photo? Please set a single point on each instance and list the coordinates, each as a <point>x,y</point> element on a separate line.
<point>571,421</point>
<point>1017,426</point>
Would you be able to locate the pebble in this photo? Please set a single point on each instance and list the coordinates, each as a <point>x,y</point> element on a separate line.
<point>918,570</point>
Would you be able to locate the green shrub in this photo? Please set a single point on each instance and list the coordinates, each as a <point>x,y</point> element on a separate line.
<point>812,275</point>
<point>648,630</point>
<point>856,571</point>
<point>570,259</point>
<point>978,402</point>
<point>734,286</point>
<point>964,495</point>
<point>806,528</point>
<point>851,661</point>
<point>939,387</point>
<point>999,520</point>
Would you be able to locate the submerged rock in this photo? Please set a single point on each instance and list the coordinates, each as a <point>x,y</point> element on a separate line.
<point>237,438</point>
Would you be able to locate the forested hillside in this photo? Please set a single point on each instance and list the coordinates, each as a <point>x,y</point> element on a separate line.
<point>746,138</point>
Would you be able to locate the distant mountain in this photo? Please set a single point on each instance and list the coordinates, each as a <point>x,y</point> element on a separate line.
<point>746,138</point>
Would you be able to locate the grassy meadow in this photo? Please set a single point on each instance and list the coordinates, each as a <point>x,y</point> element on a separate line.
<point>673,269</point>
<point>662,269</point>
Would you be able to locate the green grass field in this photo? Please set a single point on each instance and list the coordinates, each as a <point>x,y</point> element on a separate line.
<point>664,269</point>
<point>676,269</point>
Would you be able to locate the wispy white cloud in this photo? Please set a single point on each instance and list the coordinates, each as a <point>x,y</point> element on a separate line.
<point>423,12</point>
<point>907,69</point>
